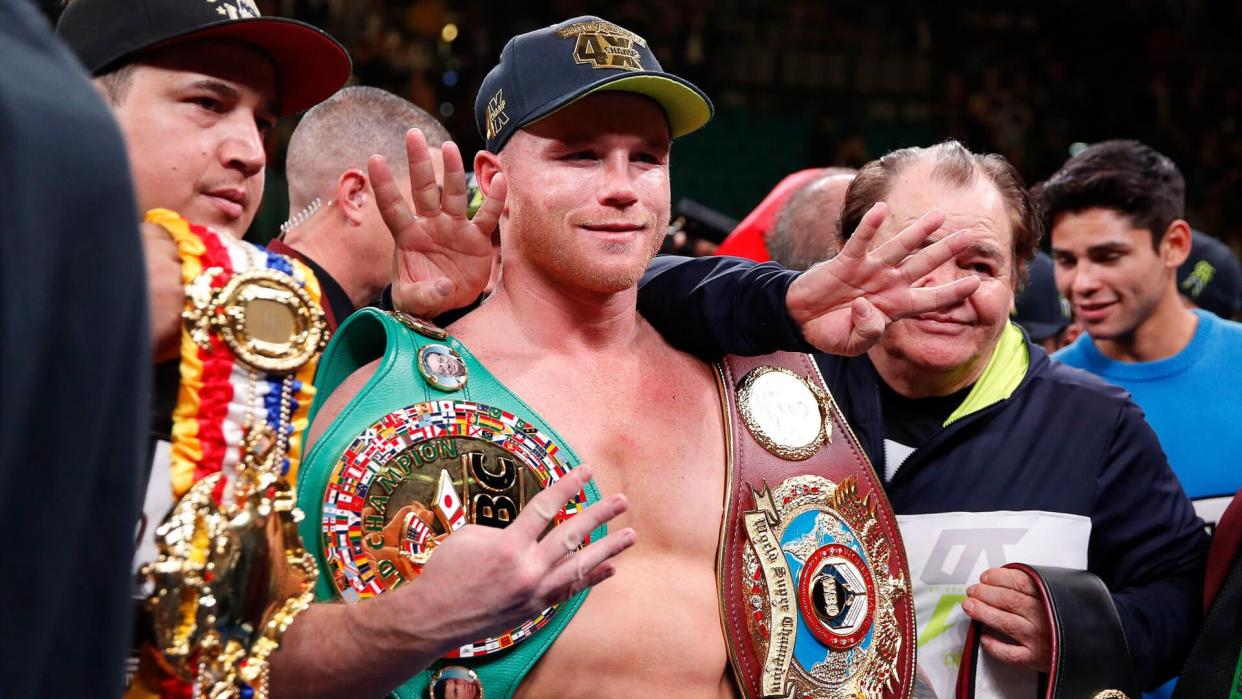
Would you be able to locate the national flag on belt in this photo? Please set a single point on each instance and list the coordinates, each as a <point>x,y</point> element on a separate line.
<point>489,422</point>
<point>335,518</point>
<point>340,497</point>
<point>417,534</point>
<point>448,504</point>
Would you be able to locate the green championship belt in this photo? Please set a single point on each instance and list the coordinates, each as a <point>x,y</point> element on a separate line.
<point>432,442</point>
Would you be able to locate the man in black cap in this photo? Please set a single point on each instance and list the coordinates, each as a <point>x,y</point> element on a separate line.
<point>196,86</point>
<point>578,120</point>
<point>1039,308</point>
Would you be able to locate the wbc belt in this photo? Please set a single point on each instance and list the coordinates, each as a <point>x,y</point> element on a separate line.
<point>815,592</point>
<point>431,443</point>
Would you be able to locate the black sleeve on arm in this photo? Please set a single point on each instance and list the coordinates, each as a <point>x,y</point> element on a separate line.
<point>713,306</point>
<point>1150,549</point>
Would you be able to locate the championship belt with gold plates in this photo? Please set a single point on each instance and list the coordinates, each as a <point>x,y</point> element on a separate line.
<point>431,443</point>
<point>815,592</point>
<point>231,573</point>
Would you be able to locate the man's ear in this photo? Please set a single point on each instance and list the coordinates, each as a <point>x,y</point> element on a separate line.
<point>352,194</point>
<point>1175,245</point>
<point>486,166</point>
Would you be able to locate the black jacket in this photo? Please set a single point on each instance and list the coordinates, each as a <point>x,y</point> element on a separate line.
<point>1062,443</point>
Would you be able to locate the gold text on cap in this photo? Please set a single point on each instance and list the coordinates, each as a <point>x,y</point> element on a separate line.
<point>604,45</point>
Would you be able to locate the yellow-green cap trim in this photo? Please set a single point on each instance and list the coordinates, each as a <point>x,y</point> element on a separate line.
<point>687,111</point>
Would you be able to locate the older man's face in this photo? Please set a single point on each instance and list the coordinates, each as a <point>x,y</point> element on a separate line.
<point>954,344</point>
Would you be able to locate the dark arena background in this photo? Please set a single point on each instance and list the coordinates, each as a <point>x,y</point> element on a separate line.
<point>808,83</point>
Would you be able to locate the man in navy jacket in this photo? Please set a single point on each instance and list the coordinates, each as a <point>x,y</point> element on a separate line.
<point>990,451</point>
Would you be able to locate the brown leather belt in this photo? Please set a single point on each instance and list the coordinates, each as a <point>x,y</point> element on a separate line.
<point>815,592</point>
<point>1090,658</point>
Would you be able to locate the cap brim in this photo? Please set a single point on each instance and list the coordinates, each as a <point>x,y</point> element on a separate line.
<point>687,108</point>
<point>310,65</point>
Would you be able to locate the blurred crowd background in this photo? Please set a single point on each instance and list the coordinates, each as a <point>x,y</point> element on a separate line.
<point>806,83</point>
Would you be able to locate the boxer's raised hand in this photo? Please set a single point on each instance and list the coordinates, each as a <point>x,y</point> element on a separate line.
<point>442,258</point>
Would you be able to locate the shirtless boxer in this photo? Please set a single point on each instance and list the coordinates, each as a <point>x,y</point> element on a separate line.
<point>588,200</point>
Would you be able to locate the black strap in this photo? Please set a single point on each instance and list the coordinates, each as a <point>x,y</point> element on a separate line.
<point>1090,657</point>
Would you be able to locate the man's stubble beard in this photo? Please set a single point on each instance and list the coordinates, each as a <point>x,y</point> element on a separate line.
<point>567,263</point>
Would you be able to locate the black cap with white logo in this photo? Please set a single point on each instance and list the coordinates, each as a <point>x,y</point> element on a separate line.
<point>547,69</point>
<point>106,34</point>
<point>1211,277</point>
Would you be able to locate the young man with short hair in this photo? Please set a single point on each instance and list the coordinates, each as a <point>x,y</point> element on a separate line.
<point>1116,214</point>
<point>583,154</point>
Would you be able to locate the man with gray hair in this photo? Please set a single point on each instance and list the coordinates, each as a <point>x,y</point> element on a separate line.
<point>336,227</point>
<point>955,410</point>
<point>808,228</point>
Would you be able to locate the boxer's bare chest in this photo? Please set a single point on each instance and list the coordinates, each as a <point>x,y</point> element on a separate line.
<point>650,424</point>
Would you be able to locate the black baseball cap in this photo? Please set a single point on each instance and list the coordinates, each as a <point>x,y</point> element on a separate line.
<point>107,34</point>
<point>1039,308</point>
<point>546,69</point>
<point>1211,276</point>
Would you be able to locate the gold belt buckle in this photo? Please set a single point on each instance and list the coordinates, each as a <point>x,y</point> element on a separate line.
<point>264,316</point>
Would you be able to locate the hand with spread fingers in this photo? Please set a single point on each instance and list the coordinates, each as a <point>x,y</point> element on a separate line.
<point>442,258</point>
<point>1015,623</point>
<point>509,575</point>
<point>844,304</point>
<point>480,582</point>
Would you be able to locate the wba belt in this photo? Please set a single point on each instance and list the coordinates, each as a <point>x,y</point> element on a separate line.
<point>815,592</point>
<point>431,443</point>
